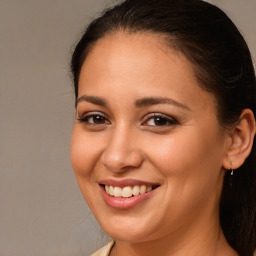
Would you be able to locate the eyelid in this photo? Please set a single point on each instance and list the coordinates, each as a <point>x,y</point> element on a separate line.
<point>170,119</point>
<point>86,115</point>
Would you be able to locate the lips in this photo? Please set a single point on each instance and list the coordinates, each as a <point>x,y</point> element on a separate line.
<point>126,194</point>
<point>127,191</point>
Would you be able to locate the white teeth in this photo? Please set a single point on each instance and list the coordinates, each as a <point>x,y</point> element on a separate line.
<point>111,190</point>
<point>127,191</point>
<point>136,190</point>
<point>117,192</point>
<point>143,189</point>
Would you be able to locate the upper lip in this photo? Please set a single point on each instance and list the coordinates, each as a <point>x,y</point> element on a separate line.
<point>127,182</point>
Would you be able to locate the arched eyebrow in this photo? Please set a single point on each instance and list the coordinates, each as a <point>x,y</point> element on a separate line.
<point>92,99</point>
<point>144,102</point>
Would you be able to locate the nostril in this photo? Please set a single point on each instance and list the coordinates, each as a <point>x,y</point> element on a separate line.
<point>121,153</point>
<point>122,161</point>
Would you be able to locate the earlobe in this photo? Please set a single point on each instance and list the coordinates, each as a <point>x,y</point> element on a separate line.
<point>241,141</point>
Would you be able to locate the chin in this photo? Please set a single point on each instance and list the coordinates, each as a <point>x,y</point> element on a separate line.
<point>124,228</point>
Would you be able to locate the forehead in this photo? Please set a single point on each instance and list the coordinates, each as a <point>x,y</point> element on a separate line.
<point>140,64</point>
<point>146,53</point>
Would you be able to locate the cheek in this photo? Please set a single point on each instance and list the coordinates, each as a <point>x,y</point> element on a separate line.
<point>189,152</point>
<point>84,153</point>
<point>190,165</point>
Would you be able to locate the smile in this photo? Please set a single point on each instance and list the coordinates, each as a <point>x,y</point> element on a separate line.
<point>126,194</point>
<point>128,191</point>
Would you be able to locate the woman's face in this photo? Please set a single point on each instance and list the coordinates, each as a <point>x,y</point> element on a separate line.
<point>143,123</point>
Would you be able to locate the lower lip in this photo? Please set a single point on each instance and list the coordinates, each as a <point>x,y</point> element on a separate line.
<point>123,203</point>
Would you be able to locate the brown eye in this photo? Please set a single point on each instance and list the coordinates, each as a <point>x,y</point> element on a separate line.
<point>94,119</point>
<point>159,120</point>
<point>97,119</point>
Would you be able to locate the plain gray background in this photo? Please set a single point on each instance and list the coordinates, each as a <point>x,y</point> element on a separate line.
<point>41,209</point>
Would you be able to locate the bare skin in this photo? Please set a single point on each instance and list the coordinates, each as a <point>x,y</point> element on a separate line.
<point>142,116</point>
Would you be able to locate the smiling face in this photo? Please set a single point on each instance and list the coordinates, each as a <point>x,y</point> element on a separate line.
<point>143,123</point>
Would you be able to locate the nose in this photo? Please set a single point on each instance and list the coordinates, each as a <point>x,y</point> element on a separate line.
<point>122,151</point>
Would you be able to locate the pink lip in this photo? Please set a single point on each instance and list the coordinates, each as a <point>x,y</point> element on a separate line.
<point>126,182</point>
<point>121,203</point>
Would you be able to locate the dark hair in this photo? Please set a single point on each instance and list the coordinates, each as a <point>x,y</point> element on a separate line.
<point>223,66</point>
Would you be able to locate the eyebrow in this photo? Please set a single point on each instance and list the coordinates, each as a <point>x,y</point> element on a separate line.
<point>144,102</point>
<point>92,99</point>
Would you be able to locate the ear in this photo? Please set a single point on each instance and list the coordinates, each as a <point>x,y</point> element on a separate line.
<point>240,141</point>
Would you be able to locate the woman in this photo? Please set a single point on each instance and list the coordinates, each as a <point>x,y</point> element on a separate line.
<point>163,144</point>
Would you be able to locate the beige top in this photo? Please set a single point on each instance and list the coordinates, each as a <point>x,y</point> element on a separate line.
<point>104,251</point>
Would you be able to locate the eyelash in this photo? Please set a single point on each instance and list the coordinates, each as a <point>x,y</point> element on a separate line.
<point>166,120</point>
<point>85,118</point>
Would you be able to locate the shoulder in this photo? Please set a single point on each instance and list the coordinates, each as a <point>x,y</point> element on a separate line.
<point>104,251</point>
